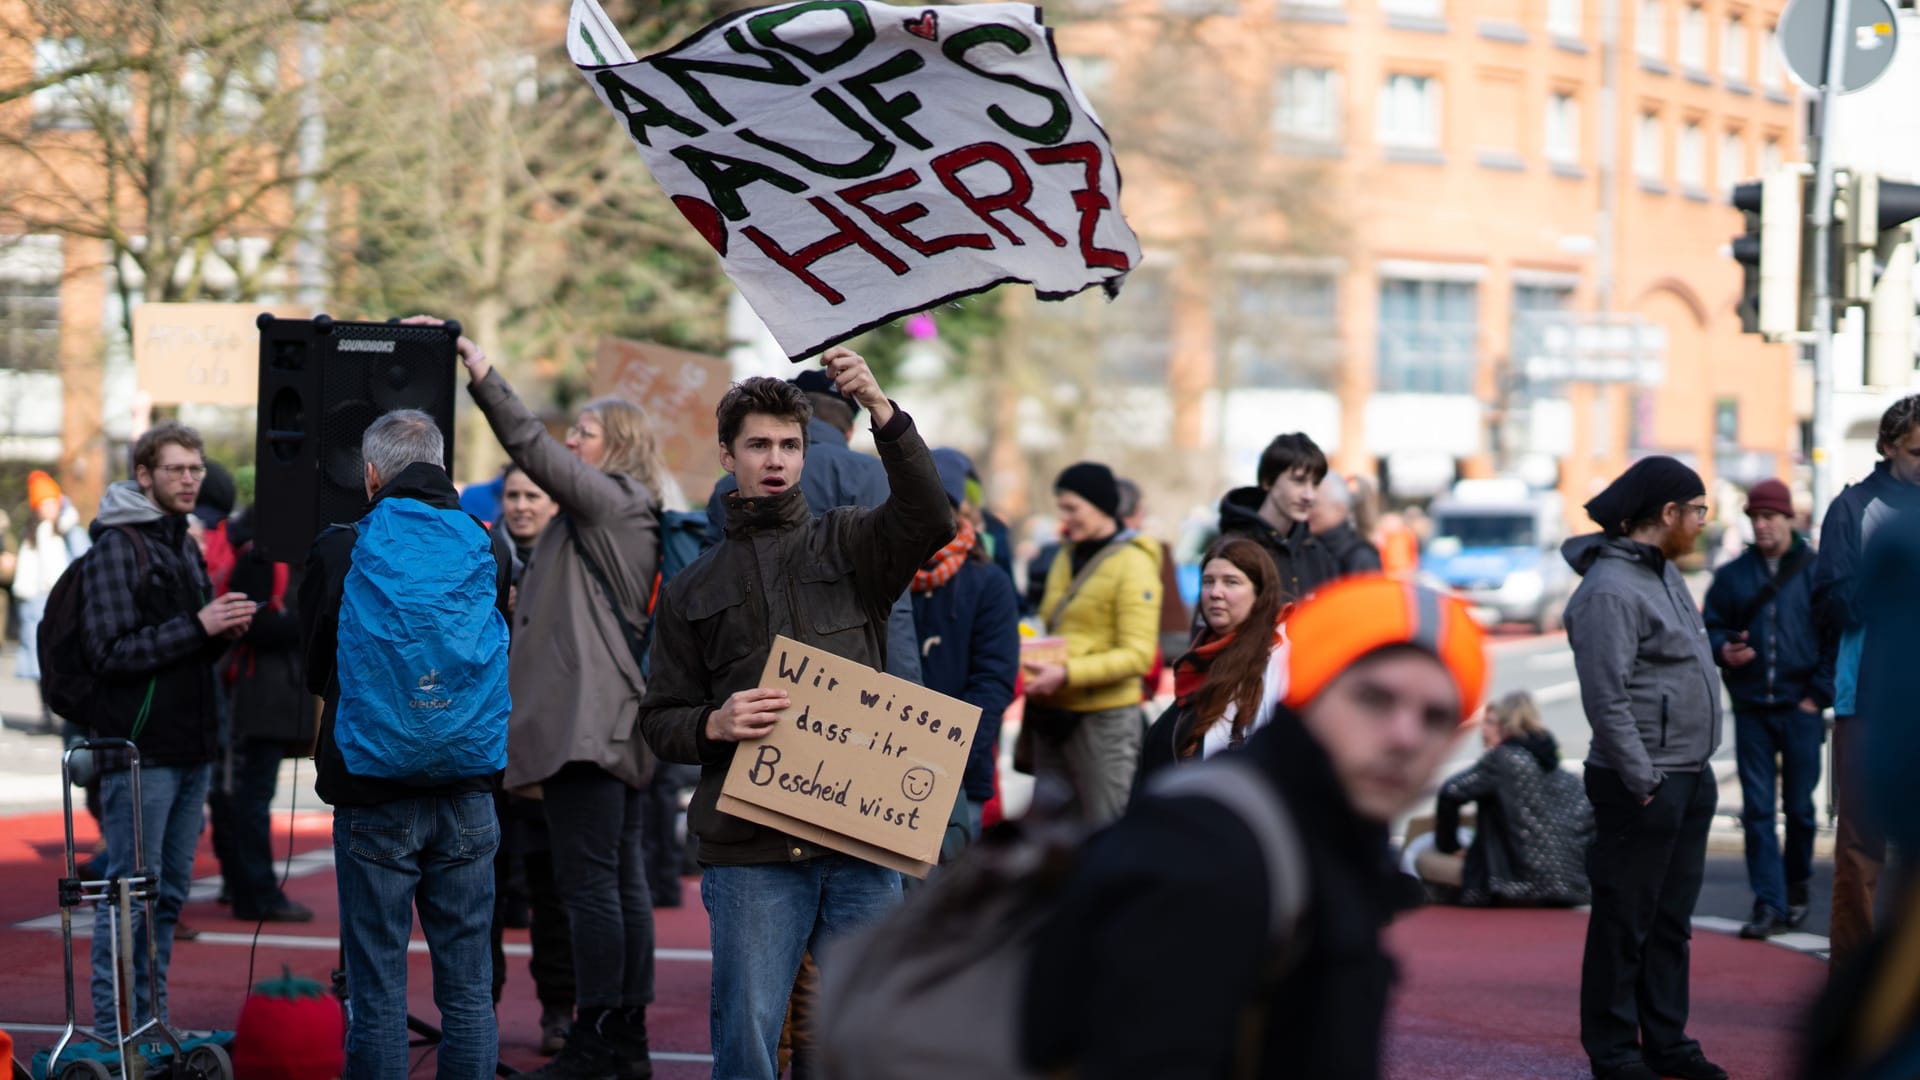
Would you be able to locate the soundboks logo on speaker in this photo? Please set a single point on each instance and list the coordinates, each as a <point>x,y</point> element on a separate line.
<point>357,345</point>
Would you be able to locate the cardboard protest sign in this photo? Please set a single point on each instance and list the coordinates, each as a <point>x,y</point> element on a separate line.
<point>865,763</point>
<point>199,354</point>
<point>679,390</point>
<point>853,161</point>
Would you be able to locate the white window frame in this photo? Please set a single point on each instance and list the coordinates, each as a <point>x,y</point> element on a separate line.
<point>1732,162</point>
<point>1734,45</point>
<point>1692,43</point>
<point>1308,103</point>
<point>1772,155</point>
<point>1417,9</point>
<point>1690,158</point>
<point>1410,112</point>
<point>1564,19</point>
<point>1649,149</point>
<point>1563,135</point>
<point>1650,30</point>
<point>1773,66</point>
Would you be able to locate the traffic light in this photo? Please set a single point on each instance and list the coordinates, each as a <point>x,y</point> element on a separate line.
<point>1769,254</point>
<point>1878,270</point>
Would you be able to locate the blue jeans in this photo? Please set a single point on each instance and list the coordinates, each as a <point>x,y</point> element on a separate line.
<point>764,918</point>
<point>171,798</point>
<point>435,854</point>
<point>1794,737</point>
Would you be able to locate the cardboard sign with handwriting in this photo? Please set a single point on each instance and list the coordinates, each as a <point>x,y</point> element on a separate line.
<point>202,353</point>
<point>679,390</point>
<point>870,762</point>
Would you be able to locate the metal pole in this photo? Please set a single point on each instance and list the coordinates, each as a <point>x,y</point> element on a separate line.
<point>1824,435</point>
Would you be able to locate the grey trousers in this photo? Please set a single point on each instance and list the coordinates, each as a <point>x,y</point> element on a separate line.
<point>1097,760</point>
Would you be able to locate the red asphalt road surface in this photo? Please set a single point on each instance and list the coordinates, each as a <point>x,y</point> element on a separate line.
<point>1483,994</point>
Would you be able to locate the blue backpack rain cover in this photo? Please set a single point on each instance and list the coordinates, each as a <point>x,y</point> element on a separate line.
<point>422,653</point>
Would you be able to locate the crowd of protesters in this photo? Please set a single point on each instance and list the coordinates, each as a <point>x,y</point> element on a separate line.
<point>1335,687</point>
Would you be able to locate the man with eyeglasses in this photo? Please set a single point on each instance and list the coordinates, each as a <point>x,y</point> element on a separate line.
<point>153,629</point>
<point>1652,697</point>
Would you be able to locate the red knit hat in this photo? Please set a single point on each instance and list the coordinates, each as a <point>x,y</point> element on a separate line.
<point>1769,496</point>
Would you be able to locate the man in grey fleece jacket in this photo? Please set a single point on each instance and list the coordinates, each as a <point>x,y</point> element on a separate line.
<point>1648,683</point>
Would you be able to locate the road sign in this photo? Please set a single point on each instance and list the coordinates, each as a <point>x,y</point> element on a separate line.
<point>1570,347</point>
<point>1870,38</point>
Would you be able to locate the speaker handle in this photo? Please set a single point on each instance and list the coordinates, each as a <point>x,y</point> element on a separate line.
<point>452,327</point>
<point>263,320</point>
<point>323,324</point>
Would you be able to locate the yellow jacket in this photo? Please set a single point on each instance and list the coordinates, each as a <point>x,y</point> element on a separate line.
<point>1112,627</point>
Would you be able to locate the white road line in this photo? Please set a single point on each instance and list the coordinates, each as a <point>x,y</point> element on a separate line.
<point>1558,692</point>
<point>1550,661</point>
<point>57,1029</point>
<point>1808,944</point>
<point>83,928</point>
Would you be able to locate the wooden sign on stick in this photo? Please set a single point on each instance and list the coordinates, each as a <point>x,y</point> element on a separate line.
<point>200,354</point>
<point>860,761</point>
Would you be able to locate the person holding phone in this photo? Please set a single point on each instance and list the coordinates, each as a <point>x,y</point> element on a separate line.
<point>1767,641</point>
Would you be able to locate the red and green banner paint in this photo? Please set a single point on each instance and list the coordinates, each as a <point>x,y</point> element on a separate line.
<point>853,162</point>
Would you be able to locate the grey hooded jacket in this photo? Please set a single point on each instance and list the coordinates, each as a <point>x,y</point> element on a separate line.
<point>1646,671</point>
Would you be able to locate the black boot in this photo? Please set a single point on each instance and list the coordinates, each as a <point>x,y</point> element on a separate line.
<point>1798,905</point>
<point>1766,923</point>
<point>590,1053</point>
<point>628,1030</point>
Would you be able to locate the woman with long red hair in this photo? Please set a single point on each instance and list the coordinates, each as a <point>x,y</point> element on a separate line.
<point>1226,684</point>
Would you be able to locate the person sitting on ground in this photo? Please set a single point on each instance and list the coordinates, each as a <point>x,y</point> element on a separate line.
<point>1225,686</point>
<point>1533,824</point>
<point>1160,957</point>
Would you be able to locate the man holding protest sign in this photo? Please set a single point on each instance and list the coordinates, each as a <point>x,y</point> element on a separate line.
<point>828,582</point>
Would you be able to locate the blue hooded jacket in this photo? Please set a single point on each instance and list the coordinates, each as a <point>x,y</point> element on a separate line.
<point>1850,524</point>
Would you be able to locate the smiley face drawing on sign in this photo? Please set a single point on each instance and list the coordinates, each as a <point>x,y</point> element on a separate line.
<point>917,784</point>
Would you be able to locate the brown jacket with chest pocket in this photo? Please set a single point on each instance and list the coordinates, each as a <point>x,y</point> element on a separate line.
<point>829,582</point>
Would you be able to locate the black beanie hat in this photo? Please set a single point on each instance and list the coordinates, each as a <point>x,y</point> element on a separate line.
<point>217,494</point>
<point>1093,482</point>
<point>1641,492</point>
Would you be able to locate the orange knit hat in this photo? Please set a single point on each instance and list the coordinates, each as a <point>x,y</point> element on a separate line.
<point>41,487</point>
<point>1338,625</point>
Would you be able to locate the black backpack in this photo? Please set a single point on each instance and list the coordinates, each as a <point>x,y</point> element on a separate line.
<point>67,679</point>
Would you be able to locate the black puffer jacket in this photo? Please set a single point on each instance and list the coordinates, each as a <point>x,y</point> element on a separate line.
<point>1534,826</point>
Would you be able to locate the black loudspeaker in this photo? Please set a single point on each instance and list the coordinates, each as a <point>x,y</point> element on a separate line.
<point>322,384</point>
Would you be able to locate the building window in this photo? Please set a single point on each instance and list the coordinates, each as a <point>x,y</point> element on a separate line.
<point>1650,30</point>
<point>1690,162</point>
<point>29,322</point>
<point>1649,151</point>
<point>1733,162</point>
<point>1563,129</point>
<point>243,89</point>
<point>1693,38</point>
<point>1770,158</point>
<point>1534,307</point>
<point>1733,49</point>
<point>1773,73</point>
<point>1429,336</point>
<point>1091,74</point>
<point>1726,425</point>
<point>1307,104</point>
<point>1416,9</point>
<point>1563,19</point>
<point>1410,112</point>
<point>1198,8</point>
<point>1283,331</point>
<point>64,104</point>
<point>1286,6</point>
